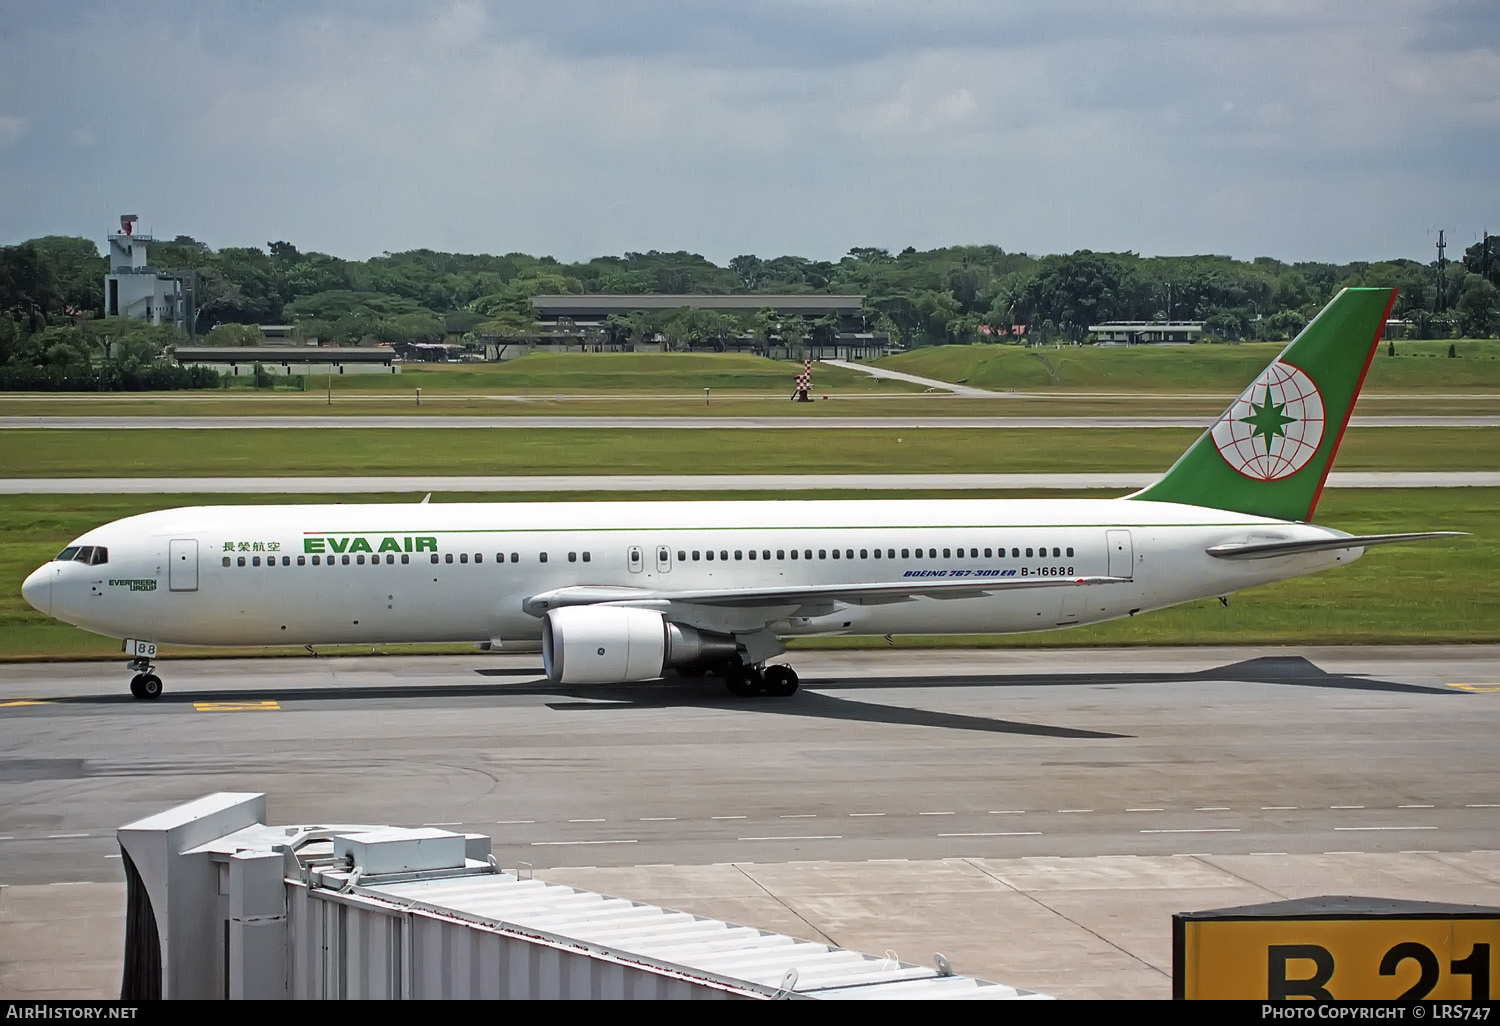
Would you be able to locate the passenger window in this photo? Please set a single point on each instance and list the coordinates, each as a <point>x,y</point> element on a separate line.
<point>781,554</point>
<point>360,560</point>
<point>463,557</point>
<point>515,557</point>
<point>752,553</point>
<point>947,554</point>
<point>586,557</point>
<point>1070,552</point>
<point>835,553</point>
<point>345,560</point>
<point>404,558</point>
<point>696,555</point>
<point>986,553</point>
<point>973,553</point>
<point>890,553</point>
<point>877,553</point>
<point>765,553</point>
<point>932,553</point>
<point>738,554</point>
<point>709,555</point>
<point>864,553</point>
<point>807,553</point>
<point>434,557</point>
<point>682,555</point>
<point>226,560</point>
<point>541,557</point>
<point>794,553</point>
<point>723,554</point>
<point>1028,553</point>
<point>499,557</point>
<point>1015,553</point>
<point>572,557</point>
<point>448,557</point>
<point>255,560</point>
<point>317,560</point>
<point>241,561</point>
<point>905,553</point>
<point>302,560</point>
<point>286,560</point>
<point>478,557</point>
<point>1056,552</point>
<point>822,553</point>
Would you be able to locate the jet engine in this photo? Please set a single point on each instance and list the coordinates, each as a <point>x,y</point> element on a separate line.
<point>620,644</point>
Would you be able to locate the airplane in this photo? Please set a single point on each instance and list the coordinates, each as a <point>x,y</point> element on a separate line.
<point>620,592</point>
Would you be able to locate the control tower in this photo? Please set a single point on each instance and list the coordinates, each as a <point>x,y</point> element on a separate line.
<point>133,288</point>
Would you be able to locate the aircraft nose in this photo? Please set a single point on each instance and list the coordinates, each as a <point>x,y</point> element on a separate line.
<point>37,589</point>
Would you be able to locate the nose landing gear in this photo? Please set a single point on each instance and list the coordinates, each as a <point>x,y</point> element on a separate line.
<point>145,684</point>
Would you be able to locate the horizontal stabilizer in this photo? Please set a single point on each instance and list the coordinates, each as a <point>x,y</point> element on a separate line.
<point>537,605</point>
<point>1266,550</point>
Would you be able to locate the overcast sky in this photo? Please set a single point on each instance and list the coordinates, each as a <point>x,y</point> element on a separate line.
<point>1300,129</point>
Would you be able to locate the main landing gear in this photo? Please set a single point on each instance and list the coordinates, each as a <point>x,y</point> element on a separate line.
<point>145,684</point>
<point>778,681</point>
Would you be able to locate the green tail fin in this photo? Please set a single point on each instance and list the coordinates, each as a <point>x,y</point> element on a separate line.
<point>1269,453</point>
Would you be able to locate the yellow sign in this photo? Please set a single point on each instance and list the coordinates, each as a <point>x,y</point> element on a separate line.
<point>1429,952</point>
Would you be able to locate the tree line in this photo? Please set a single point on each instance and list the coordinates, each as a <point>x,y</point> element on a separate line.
<point>51,295</point>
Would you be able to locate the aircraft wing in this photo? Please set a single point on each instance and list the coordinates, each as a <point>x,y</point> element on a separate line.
<point>1266,550</point>
<point>853,594</point>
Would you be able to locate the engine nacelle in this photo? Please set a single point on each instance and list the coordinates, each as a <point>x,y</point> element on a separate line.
<point>621,644</point>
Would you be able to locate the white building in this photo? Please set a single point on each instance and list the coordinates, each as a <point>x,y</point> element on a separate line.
<point>133,288</point>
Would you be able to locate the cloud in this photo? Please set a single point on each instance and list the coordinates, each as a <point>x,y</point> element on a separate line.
<point>11,129</point>
<point>1296,129</point>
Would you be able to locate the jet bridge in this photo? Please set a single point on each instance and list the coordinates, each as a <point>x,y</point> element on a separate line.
<point>221,905</point>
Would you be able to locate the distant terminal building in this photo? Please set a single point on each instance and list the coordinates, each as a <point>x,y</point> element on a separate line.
<point>133,288</point>
<point>578,323</point>
<point>292,360</point>
<point>1135,333</point>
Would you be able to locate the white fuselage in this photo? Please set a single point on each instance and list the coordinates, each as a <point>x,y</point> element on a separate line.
<point>330,574</point>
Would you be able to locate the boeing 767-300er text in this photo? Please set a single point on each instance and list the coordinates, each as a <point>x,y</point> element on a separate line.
<point>614,592</point>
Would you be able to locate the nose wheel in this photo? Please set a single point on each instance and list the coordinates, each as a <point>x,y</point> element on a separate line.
<point>145,684</point>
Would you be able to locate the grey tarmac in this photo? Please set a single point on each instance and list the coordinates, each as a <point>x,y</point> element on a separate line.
<point>679,483</point>
<point>1036,815</point>
<point>685,423</point>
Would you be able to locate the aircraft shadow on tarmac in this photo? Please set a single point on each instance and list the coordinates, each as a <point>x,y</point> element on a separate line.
<point>816,699</point>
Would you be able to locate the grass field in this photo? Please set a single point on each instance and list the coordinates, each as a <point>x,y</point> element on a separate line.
<point>291,452</point>
<point>313,405</point>
<point>611,374</point>
<point>1432,592</point>
<point>1416,367</point>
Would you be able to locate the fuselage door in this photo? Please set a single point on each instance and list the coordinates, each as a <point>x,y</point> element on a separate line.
<point>1121,554</point>
<point>182,564</point>
<point>663,559</point>
<point>633,559</point>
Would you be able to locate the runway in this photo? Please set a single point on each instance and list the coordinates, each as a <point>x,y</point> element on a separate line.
<point>678,483</point>
<point>685,423</point>
<point>1038,812</point>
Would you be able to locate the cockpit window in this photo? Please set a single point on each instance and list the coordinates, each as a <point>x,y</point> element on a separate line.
<point>90,555</point>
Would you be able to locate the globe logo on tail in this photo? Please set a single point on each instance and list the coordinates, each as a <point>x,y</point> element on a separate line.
<point>1274,427</point>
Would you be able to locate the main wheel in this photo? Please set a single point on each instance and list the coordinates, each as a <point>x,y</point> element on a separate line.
<point>781,681</point>
<point>742,681</point>
<point>150,686</point>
